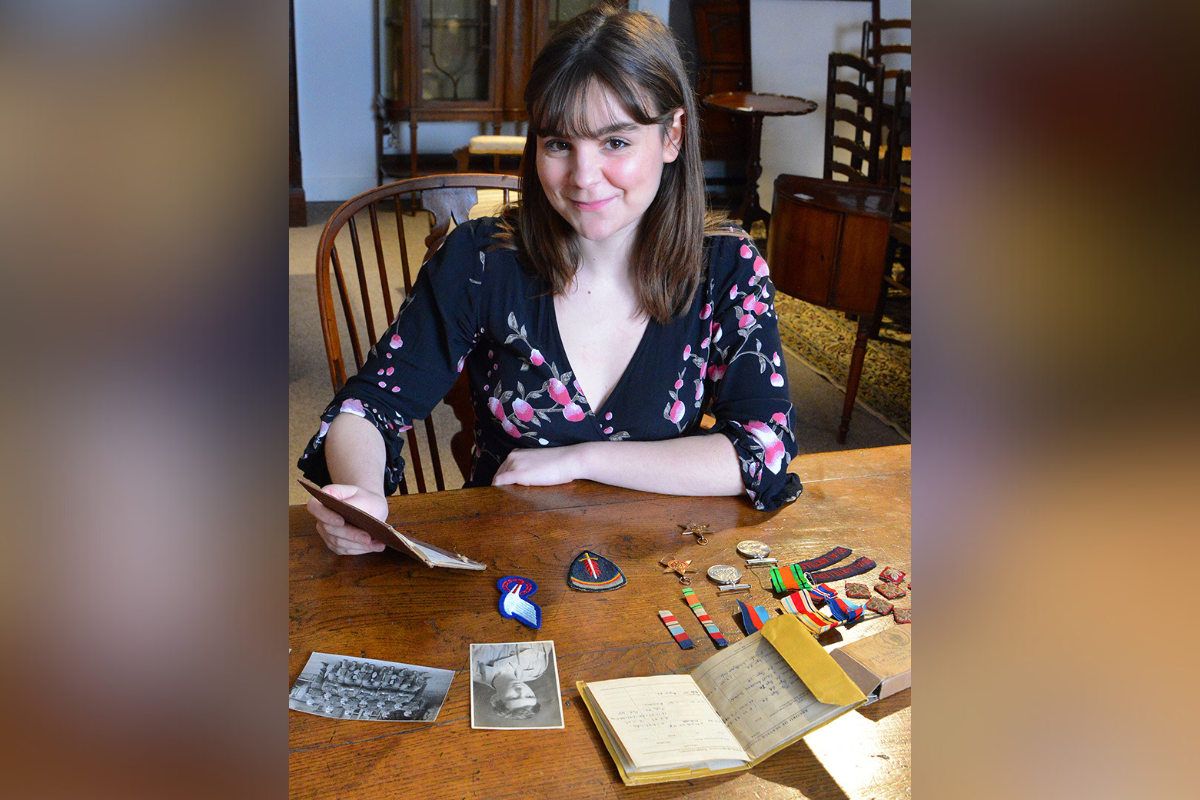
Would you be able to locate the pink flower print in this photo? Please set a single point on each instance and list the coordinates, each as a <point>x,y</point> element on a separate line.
<point>389,355</point>
<point>699,389</point>
<point>608,430</point>
<point>776,379</point>
<point>687,352</point>
<point>753,280</point>
<point>559,392</point>
<point>772,447</point>
<point>497,409</point>
<point>404,428</point>
<point>679,384</point>
<point>324,429</point>
<point>760,267</point>
<point>677,412</point>
<point>717,335</point>
<point>353,406</point>
<point>535,358</point>
<point>510,429</point>
<point>382,385</point>
<point>779,419</point>
<point>390,370</point>
<point>461,361</point>
<point>746,252</point>
<point>379,373</point>
<point>749,302</point>
<point>573,412</point>
<point>733,292</point>
<point>705,343</point>
<point>396,341</point>
<point>578,388</point>
<point>775,359</point>
<point>491,354</point>
<point>759,308</point>
<point>746,321</point>
<point>703,370</point>
<point>706,312</point>
<point>608,415</point>
<point>395,389</point>
<point>716,373</point>
<point>523,410</point>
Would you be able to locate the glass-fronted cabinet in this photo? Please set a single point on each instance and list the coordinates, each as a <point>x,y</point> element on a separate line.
<point>441,60</point>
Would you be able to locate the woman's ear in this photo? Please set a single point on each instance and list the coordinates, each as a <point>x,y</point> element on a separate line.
<point>673,138</point>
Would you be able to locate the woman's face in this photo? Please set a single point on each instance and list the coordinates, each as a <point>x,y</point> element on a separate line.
<point>603,185</point>
<point>518,695</point>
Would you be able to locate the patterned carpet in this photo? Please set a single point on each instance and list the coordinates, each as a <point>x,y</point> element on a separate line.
<point>825,339</point>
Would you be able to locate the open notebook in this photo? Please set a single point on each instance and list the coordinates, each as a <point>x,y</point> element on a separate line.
<point>424,552</point>
<point>743,704</point>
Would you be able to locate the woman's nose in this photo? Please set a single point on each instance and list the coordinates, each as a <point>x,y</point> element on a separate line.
<point>585,167</point>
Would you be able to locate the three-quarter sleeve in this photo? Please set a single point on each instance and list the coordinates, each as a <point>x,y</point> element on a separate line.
<point>419,356</point>
<point>749,386</point>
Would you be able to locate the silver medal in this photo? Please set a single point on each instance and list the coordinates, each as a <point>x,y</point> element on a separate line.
<point>752,548</point>
<point>723,573</point>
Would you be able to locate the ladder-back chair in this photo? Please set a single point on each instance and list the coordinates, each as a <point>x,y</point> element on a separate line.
<point>383,229</point>
<point>856,101</point>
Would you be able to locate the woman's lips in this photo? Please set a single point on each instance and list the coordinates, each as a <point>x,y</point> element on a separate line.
<point>593,206</point>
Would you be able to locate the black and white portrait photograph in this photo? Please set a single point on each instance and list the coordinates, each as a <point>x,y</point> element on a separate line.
<point>342,687</point>
<point>515,685</point>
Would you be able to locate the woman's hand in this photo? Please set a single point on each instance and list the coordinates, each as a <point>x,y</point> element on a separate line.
<point>548,467</point>
<point>343,539</point>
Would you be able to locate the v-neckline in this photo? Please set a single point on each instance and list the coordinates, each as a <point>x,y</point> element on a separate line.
<point>562,348</point>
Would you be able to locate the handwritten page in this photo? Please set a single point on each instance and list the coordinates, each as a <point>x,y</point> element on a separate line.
<point>761,699</point>
<point>663,722</point>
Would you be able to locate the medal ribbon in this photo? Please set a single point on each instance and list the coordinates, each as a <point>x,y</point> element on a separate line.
<point>828,560</point>
<point>689,597</point>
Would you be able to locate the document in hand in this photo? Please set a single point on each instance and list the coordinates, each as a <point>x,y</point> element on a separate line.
<point>424,552</point>
<point>739,707</point>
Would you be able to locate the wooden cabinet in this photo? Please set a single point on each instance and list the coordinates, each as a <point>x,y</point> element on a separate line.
<point>443,60</point>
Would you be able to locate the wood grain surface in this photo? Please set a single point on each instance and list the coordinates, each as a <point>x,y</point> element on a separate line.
<point>389,606</point>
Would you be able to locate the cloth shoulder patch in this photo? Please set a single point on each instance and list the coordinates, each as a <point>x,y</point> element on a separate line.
<point>594,573</point>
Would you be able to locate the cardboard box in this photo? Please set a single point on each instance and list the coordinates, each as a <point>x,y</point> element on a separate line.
<point>879,665</point>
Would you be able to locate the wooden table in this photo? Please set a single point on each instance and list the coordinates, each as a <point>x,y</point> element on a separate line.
<point>390,607</point>
<point>756,106</point>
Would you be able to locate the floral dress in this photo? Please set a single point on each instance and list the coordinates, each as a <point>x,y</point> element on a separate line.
<point>475,307</point>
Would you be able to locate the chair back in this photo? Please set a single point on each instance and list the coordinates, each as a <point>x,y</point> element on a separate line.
<point>856,101</point>
<point>898,159</point>
<point>402,223</point>
<point>888,42</point>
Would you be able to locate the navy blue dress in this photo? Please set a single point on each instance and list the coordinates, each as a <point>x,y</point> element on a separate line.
<point>474,306</point>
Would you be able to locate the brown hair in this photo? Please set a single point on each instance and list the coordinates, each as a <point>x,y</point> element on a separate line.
<point>636,57</point>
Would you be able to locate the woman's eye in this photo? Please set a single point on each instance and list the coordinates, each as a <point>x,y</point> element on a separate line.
<point>554,145</point>
<point>617,144</point>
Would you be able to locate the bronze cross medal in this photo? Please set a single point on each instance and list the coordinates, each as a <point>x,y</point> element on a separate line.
<point>696,530</point>
<point>673,564</point>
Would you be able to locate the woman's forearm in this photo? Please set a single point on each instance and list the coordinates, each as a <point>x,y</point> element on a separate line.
<point>703,465</point>
<point>355,453</point>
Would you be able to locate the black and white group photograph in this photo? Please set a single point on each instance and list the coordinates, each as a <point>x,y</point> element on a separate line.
<point>342,687</point>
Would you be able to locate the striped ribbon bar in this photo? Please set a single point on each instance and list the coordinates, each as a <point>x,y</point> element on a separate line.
<point>681,637</point>
<point>863,564</point>
<point>789,579</point>
<point>753,617</point>
<point>801,605</point>
<point>689,597</point>
<point>821,594</point>
<point>844,612</point>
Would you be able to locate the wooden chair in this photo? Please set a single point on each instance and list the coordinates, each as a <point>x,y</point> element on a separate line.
<point>857,102</point>
<point>898,163</point>
<point>364,308</point>
<point>884,42</point>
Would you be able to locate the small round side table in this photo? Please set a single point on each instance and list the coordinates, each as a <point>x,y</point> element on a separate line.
<point>756,106</point>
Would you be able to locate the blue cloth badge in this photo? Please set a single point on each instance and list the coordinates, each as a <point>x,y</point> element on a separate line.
<point>513,605</point>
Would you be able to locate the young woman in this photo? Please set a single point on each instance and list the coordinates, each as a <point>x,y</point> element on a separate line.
<point>597,318</point>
